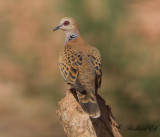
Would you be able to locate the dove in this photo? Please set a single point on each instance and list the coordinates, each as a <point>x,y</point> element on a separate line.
<point>81,66</point>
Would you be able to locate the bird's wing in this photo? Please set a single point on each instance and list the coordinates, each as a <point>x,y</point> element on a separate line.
<point>80,73</point>
<point>96,60</point>
<point>69,63</point>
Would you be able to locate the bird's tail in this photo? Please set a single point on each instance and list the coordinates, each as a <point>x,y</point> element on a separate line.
<point>89,103</point>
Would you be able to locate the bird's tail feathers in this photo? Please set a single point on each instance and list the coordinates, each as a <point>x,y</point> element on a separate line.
<point>89,103</point>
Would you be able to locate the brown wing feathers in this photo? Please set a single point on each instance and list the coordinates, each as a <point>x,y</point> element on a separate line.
<point>71,64</point>
<point>97,63</point>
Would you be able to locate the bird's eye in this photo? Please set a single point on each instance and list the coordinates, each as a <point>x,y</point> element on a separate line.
<point>66,23</point>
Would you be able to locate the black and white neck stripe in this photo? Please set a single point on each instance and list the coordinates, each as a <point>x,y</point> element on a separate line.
<point>72,36</point>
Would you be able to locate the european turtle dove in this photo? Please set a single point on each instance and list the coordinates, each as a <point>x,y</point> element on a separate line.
<point>81,67</point>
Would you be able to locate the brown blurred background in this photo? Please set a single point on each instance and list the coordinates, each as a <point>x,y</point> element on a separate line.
<point>127,33</point>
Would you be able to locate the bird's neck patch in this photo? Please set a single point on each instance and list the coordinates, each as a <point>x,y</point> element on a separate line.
<point>72,36</point>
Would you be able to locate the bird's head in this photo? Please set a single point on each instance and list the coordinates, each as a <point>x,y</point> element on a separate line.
<point>67,24</point>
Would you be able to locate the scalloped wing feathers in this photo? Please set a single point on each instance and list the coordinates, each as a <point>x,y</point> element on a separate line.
<point>81,69</point>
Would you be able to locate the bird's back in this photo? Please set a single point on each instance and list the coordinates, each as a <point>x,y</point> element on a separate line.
<point>80,66</point>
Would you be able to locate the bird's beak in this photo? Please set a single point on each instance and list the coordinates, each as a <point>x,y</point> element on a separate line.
<point>56,28</point>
